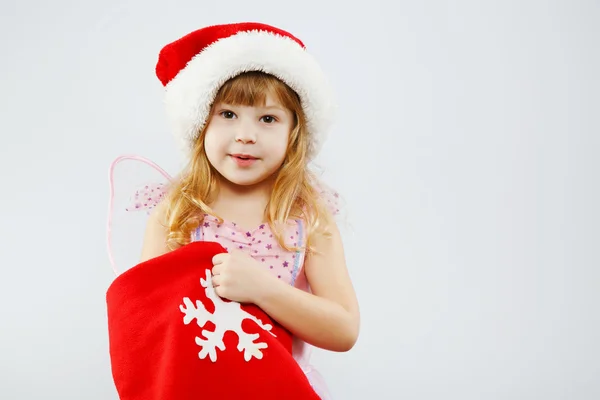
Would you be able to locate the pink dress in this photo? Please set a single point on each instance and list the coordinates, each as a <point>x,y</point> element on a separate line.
<point>261,244</point>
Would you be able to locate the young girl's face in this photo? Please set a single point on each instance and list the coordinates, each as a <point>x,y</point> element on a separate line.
<point>247,144</point>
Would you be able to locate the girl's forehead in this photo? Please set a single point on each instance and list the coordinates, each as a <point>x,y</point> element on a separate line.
<point>255,91</point>
<point>266,101</point>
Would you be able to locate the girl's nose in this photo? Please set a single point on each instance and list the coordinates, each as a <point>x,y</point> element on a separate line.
<point>245,133</point>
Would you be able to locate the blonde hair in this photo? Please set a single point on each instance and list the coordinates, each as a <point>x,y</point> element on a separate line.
<point>294,195</point>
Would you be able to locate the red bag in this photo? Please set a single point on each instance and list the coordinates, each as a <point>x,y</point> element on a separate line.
<point>172,338</point>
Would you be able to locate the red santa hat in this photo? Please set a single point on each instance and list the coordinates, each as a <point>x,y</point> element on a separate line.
<point>194,67</point>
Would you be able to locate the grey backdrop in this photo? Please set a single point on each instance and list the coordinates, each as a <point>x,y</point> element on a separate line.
<point>466,150</point>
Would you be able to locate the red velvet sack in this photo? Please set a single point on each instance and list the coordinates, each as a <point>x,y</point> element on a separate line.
<point>172,338</point>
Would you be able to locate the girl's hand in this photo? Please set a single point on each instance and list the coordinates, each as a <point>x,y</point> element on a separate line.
<point>239,277</point>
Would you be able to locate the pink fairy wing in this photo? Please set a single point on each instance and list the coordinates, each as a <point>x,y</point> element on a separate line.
<point>137,185</point>
<point>147,197</point>
<point>329,196</point>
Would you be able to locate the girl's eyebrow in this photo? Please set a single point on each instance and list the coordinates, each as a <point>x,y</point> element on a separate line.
<point>262,108</point>
<point>272,108</point>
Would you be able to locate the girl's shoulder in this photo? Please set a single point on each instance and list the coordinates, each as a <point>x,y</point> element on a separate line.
<point>156,233</point>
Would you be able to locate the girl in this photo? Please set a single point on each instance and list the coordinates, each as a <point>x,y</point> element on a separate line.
<point>251,108</point>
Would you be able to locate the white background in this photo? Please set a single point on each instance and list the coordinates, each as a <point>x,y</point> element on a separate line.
<point>466,150</point>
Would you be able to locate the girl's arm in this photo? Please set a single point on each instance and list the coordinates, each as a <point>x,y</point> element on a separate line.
<point>329,317</point>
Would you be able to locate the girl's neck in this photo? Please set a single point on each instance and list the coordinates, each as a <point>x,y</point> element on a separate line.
<point>258,192</point>
<point>243,204</point>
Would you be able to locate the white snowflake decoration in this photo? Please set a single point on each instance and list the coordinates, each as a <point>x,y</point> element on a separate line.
<point>228,316</point>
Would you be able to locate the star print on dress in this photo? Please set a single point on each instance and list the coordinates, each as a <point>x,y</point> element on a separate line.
<point>259,243</point>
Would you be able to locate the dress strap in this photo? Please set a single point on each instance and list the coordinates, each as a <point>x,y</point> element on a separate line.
<point>299,258</point>
<point>198,234</point>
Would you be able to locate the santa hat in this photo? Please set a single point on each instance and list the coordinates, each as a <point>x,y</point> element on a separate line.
<point>194,67</point>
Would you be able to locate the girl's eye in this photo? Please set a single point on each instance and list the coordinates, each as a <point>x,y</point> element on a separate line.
<point>269,119</point>
<point>227,114</point>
